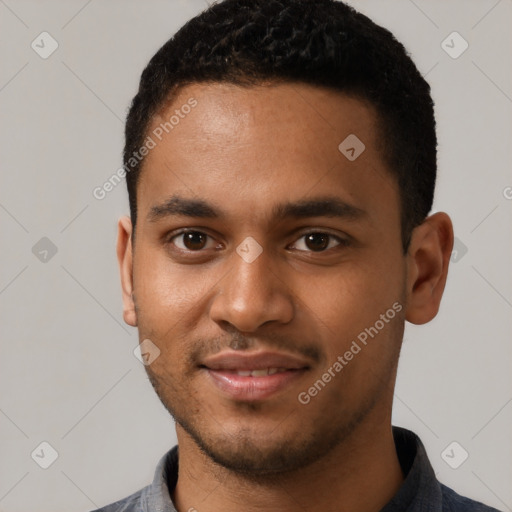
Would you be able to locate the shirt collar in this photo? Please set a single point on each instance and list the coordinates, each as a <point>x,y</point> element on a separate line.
<point>157,496</point>
<point>420,490</point>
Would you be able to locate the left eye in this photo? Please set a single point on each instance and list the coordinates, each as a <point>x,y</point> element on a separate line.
<point>317,242</point>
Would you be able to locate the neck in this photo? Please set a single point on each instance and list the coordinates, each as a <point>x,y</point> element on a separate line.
<point>361,473</point>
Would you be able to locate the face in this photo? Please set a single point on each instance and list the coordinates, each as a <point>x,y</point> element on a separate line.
<point>268,270</point>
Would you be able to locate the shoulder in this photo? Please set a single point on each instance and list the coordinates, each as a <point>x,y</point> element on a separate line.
<point>453,502</point>
<point>130,504</point>
<point>155,496</point>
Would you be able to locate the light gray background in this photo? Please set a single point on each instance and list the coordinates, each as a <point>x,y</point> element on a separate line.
<point>68,374</point>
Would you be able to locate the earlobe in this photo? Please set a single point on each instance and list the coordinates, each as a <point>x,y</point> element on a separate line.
<point>125,260</point>
<point>428,260</point>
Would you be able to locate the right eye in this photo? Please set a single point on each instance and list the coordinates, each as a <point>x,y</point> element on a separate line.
<point>191,241</point>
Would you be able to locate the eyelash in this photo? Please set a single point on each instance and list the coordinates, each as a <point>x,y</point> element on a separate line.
<point>342,242</point>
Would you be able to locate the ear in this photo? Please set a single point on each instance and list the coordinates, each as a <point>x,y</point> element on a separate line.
<point>428,259</point>
<point>125,260</point>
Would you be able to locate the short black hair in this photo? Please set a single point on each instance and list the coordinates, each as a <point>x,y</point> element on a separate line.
<point>319,42</point>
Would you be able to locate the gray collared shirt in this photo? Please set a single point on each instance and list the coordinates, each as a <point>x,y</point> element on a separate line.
<point>420,491</point>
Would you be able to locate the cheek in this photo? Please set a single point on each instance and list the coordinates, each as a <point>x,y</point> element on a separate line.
<point>168,294</point>
<point>352,294</point>
<point>348,307</point>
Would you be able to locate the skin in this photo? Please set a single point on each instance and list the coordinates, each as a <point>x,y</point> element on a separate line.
<point>244,150</point>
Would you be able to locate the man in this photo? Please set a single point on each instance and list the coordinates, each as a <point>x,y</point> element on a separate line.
<point>280,160</point>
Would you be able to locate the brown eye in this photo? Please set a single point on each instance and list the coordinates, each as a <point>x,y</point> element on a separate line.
<point>318,242</point>
<point>191,240</point>
<point>194,240</point>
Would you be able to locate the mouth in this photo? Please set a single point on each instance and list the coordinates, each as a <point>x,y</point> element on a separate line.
<point>258,373</point>
<point>253,376</point>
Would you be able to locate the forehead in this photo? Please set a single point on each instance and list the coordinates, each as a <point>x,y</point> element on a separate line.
<point>245,146</point>
<point>310,114</point>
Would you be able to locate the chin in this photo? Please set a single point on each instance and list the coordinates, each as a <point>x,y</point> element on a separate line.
<point>257,455</point>
<point>258,449</point>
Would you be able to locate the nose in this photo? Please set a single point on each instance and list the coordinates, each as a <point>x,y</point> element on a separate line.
<point>252,294</point>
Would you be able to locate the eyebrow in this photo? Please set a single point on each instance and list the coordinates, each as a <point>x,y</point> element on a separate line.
<point>327,206</point>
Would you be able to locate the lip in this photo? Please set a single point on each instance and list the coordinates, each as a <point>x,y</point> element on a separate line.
<point>233,361</point>
<point>222,369</point>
